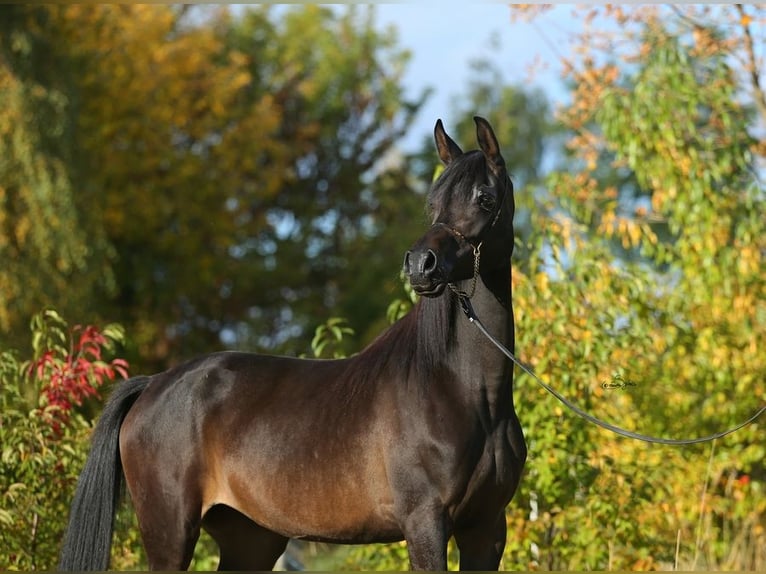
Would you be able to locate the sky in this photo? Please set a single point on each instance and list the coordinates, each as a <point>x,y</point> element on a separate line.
<point>445,37</point>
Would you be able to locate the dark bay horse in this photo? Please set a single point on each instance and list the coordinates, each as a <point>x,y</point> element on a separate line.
<point>414,438</point>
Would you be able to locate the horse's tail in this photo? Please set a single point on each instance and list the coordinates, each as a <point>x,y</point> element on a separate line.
<point>88,538</point>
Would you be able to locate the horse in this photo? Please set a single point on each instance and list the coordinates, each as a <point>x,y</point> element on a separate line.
<point>414,438</point>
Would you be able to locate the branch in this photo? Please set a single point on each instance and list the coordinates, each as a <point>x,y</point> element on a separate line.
<point>758,94</point>
<point>686,18</point>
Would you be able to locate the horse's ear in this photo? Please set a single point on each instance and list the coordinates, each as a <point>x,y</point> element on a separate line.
<point>448,149</point>
<point>488,144</point>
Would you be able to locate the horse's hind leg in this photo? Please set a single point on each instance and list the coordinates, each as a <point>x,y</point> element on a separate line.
<point>169,512</point>
<point>170,528</point>
<point>244,545</point>
<point>168,539</point>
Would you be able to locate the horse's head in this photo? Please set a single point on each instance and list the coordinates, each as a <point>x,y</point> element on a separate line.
<point>471,206</point>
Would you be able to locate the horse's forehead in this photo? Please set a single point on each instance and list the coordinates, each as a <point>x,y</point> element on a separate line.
<point>455,187</point>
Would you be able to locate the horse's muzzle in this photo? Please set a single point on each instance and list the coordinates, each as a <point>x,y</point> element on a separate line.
<point>422,269</point>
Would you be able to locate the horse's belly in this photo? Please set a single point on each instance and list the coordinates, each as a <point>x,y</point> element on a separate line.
<point>345,502</point>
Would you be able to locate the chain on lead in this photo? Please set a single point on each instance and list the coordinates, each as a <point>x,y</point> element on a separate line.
<point>476,260</point>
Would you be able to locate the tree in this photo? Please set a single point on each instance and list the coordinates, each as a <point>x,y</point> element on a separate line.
<point>346,200</point>
<point>162,122</point>
<point>664,162</point>
<point>222,173</point>
<point>48,240</point>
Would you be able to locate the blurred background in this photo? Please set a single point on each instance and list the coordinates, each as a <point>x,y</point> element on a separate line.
<point>190,178</point>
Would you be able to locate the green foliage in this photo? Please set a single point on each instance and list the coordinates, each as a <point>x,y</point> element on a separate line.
<point>328,338</point>
<point>654,274</point>
<point>349,197</point>
<point>194,177</point>
<point>400,306</point>
<point>386,557</point>
<point>47,239</point>
<point>221,172</point>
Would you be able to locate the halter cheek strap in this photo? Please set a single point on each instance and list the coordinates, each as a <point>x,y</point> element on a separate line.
<point>476,260</point>
<point>476,251</point>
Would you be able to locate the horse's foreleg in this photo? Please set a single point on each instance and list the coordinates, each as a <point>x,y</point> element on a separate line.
<point>427,531</point>
<point>481,547</point>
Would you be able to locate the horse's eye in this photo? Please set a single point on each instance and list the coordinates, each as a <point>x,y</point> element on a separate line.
<point>486,201</point>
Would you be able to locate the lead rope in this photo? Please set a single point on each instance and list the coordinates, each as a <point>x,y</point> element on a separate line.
<point>465,304</point>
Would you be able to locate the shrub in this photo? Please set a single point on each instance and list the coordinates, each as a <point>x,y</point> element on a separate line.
<point>44,429</point>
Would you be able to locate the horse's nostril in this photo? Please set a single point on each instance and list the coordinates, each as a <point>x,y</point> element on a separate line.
<point>420,263</point>
<point>429,263</point>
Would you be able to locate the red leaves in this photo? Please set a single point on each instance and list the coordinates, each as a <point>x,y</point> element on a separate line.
<point>743,480</point>
<point>68,379</point>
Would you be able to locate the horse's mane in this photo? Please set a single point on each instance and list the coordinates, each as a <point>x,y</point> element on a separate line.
<point>417,345</point>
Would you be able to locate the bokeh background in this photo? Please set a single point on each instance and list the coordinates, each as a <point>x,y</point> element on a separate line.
<point>176,180</point>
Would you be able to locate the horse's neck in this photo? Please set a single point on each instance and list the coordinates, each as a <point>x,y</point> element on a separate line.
<point>492,304</point>
<point>481,365</point>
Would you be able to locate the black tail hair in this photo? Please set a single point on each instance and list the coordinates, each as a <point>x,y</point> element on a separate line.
<point>88,540</point>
